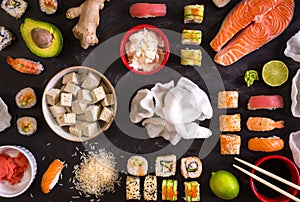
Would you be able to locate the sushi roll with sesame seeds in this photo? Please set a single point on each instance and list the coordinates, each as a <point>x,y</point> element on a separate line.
<point>15,8</point>
<point>27,125</point>
<point>6,37</point>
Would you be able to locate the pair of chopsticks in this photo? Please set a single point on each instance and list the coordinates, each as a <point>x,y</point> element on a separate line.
<point>266,182</point>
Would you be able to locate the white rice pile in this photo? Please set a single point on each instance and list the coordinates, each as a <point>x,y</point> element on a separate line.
<point>96,173</point>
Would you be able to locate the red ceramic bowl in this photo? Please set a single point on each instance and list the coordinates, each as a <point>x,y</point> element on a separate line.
<point>283,162</point>
<point>138,28</point>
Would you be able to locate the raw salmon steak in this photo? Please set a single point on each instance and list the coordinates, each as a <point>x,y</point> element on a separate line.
<point>265,102</point>
<point>250,25</point>
<point>145,10</point>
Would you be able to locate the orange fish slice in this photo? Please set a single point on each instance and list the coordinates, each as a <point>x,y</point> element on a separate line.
<point>263,124</point>
<point>255,23</point>
<point>51,176</point>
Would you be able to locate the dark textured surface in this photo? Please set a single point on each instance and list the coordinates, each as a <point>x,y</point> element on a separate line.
<point>115,20</point>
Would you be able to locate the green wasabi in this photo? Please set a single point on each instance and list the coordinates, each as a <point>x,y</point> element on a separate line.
<point>250,77</point>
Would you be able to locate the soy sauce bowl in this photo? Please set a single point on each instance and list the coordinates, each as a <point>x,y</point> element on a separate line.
<point>278,165</point>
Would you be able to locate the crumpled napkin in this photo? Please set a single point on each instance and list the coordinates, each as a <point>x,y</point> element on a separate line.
<point>177,108</point>
<point>5,116</point>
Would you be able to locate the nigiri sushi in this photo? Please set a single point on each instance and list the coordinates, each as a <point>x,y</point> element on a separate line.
<point>191,167</point>
<point>51,176</point>
<point>25,66</point>
<point>25,98</point>
<point>263,124</point>
<point>269,144</point>
<point>26,125</point>
<point>146,10</point>
<point>265,102</point>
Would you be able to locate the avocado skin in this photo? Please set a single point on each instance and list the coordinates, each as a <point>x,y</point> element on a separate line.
<point>53,50</point>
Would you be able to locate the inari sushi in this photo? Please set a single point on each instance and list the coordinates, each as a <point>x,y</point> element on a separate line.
<point>150,188</point>
<point>191,167</point>
<point>165,166</point>
<point>133,188</point>
<point>26,98</point>
<point>15,8</point>
<point>137,166</point>
<point>6,37</point>
<point>51,176</point>
<point>27,125</point>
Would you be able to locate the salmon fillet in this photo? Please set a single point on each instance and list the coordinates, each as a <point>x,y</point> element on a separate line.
<point>250,25</point>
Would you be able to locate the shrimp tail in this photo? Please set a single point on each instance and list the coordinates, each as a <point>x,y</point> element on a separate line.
<point>279,124</point>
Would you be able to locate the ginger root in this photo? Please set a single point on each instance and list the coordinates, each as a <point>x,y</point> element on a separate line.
<point>89,18</point>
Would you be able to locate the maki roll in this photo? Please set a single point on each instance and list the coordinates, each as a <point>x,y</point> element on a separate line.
<point>137,166</point>
<point>193,13</point>
<point>230,144</point>
<point>165,166</point>
<point>48,6</point>
<point>133,188</point>
<point>169,190</point>
<point>191,57</point>
<point>150,188</point>
<point>26,98</point>
<point>15,8</point>
<point>6,37</point>
<point>191,167</point>
<point>192,191</point>
<point>27,125</point>
<point>230,123</point>
<point>228,99</point>
<point>191,37</point>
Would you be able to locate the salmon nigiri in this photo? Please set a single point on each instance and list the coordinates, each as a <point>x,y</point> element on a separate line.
<point>263,124</point>
<point>51,176</point>
<point>269,144</point>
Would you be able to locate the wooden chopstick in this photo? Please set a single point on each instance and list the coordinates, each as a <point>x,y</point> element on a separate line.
<point>268,173</point>
<point>268,184</point>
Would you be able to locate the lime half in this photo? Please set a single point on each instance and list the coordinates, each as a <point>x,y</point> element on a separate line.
<point>275,73</point>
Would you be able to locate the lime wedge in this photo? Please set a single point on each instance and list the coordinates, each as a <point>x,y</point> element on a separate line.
<point>275,73</point>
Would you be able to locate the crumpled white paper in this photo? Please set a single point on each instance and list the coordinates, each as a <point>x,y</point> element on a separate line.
<point>292,49</point>
<point>5,116</point>
<point>177,108</point>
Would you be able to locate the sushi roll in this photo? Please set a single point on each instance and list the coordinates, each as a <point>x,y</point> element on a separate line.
<point>230,123</point>
<point>133,188</point>
<point>26,125</point>
<point>193,13</point>
<point>191,167</point>
<point>192,191</point>
<point>169,190</point>
<point>228,99</point>
<point>51,176</point>
<point>15,8</point>
<point>48,6</point>
<point>230,144</point>
<point>6,37</point>
<point>191,57</point>
<point>150,188</point>
<point>137,166</point>
<point>165,166</point>
<point>26,98</point>
<point>191,37</point>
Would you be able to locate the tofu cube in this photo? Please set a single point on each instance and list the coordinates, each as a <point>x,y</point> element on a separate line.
<point>108,100</point>
<point>57,111</point>
<point>52,96</point>
<point>98,94</point>
<point>91,129</point>
<point>90,81</point>
<point>92,113</point>
<point>71,88</point>
<point>68,109</point>
<point>81,117</point>
<point>71,77</point>
<point>78,107</point>
<point>230,144</point>
<point>59,121</point>
<point>66,99</point>
<point>75,130</point>
<point>106,89</point>
<point>106,114</point>
<point>69,119</point>
<point>85,96</point>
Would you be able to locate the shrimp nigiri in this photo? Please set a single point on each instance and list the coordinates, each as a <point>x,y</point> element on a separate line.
<point>24,65</point>
<point>51,176</point>
<point>263,124</point>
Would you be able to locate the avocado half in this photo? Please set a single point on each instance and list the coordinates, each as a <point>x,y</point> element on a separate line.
<point>42,38</point>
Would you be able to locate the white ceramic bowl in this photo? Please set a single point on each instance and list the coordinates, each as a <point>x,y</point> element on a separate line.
<point>55,81</point>
<point>7,190</point>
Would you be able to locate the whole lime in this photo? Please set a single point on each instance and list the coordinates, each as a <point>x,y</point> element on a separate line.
<point>224,184</point>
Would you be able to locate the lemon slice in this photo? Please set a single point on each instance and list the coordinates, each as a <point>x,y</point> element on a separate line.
<point>275,73</point>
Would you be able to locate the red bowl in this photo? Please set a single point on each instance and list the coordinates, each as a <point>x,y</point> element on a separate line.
<point>138,28</point>
<point>295,178</point>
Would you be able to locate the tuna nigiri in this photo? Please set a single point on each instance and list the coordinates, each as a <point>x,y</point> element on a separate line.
<point>51,176</point>
<point>269,144</point>
<point>263,124</point>
<point>145,10</point>
<point>265,102</point>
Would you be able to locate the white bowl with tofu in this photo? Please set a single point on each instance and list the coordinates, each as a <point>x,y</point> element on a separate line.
<point>79,103</point>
